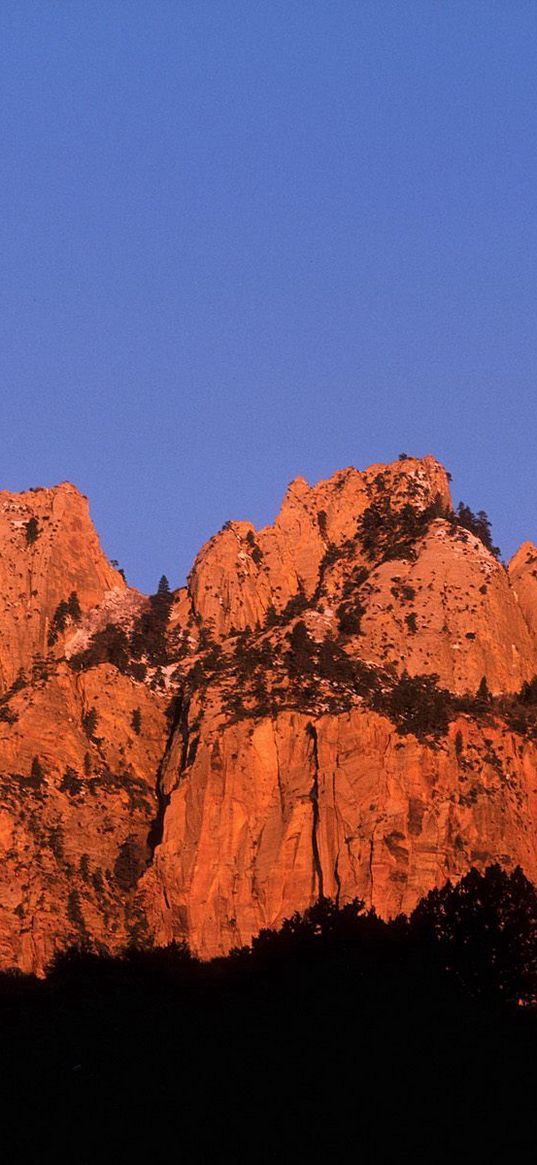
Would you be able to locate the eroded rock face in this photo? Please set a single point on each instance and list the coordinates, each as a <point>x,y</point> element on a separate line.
<point>78,784</point>
<point>453,612</point>
<point>273,813</point>
<point>523,578</point>
<point>240,573</point>
<point>78,800</point>
<point>201,765</point>
<point>49,550</point>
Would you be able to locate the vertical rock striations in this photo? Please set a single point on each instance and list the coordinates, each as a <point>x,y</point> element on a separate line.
<point>338,704</point>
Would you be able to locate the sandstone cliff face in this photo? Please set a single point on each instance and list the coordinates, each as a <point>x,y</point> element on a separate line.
<point>273,813</point>
<point>78,798</point>
<point>466,620</point>
<point>49,549</point>
<point>240,573</point>
<point>76,805</point>
<point>199,765</point>
<point>453,612</point>
<point>523,578</point>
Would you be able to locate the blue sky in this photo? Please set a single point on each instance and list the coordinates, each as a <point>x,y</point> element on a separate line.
<point>242,241</point>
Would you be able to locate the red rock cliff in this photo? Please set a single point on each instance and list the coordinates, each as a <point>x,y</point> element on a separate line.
<point>202,764</point>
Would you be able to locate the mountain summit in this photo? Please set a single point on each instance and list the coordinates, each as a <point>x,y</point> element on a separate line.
<point>341,704</point>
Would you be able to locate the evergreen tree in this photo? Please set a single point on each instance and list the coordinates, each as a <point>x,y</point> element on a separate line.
<point>483,695</point>
<point>528,691</point>
<point>74,912</point>
<point>477,524</point>
<point>36,773</point>
<point>73,607</point>
<point>301,654</point>
<point>89,722</point>
<point>32,531</point>
<point>149,634</point>
<point>485,928</point>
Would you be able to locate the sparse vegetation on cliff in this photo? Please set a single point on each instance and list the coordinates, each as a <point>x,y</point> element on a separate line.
<point>130,863</point>
<point>109,645</point>
<point>302,660</point>
<point>37,775</point>
<point>89,722</point>
<point>70,782</point>
<point>8,715</point>
<point>32,531</point>
<point>149,636</point>
<point>349,616</point>
<point>477,524</point>
<point>255,550</point>
<point>68,610</point>
<point>385,534</point>
<point>146,645</point>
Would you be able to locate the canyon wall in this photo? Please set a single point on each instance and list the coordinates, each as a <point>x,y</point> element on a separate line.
<point>338,704</point>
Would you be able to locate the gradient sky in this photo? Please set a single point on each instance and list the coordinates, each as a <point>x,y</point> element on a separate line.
<point>243,240</point>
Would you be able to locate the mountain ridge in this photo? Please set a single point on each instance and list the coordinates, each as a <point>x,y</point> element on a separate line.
<point>339,703</point>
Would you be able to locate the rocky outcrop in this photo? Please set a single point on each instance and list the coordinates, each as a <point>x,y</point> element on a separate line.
<point>79,751</point>
<point>78,802</point>
<point>242,572</point>
<point>523,578</point>
<point>49,551</point>
<point>451,611</point>
<point>199,765</point>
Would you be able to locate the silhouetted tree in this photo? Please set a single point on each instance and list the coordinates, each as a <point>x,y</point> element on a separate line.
<point>485,927</point>
<point>73,607</point>
<point>149,634</point>
<point>477,524</point>
<point>349,616</point>
<point>322,519</point>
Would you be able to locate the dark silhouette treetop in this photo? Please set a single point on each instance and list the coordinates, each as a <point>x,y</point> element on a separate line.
<point>478,524</point>
<point>485,928</point>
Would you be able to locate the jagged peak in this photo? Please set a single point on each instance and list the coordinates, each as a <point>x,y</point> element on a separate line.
<point>319,742</point>
<point>241,529</point>
<point>427,475</point>
<point>67,486</point>
<point>45,491</point>
<point>524,556</point>
<point>422,479</point>
<point>298,487</point>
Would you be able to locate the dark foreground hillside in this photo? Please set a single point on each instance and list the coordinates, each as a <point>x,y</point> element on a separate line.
<point>339,1038</point>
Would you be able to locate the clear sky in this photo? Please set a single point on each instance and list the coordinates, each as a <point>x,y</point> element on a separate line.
<point>243,240</point>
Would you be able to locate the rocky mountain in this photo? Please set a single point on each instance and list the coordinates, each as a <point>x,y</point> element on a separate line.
<point>339,704</point>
